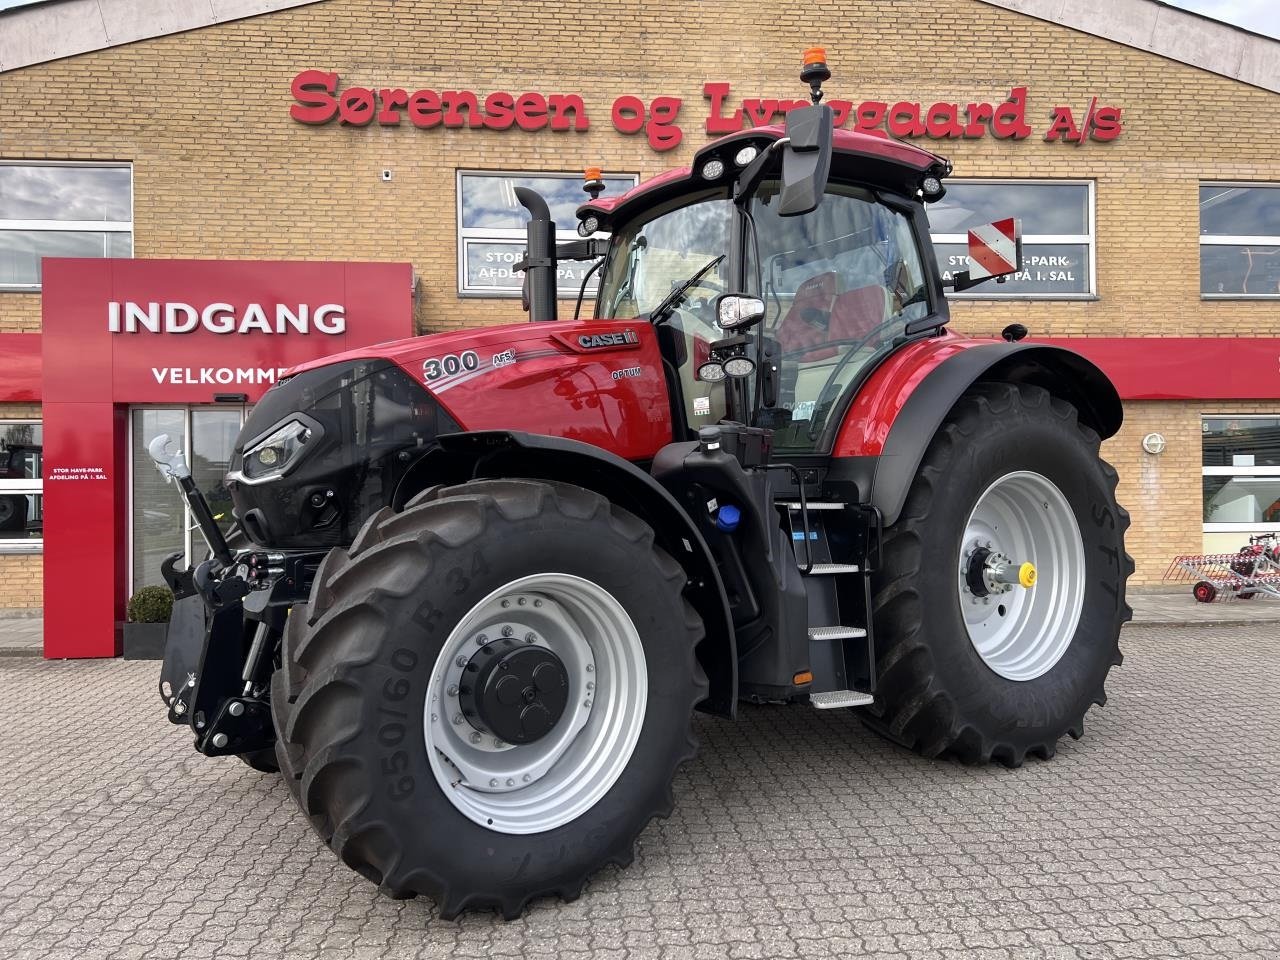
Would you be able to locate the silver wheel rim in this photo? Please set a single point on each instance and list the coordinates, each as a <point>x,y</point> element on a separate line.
<point>539,786</point>
<point>1022,632</point>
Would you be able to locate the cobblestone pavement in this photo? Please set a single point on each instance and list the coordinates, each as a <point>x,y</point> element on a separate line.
<point>796,834</point>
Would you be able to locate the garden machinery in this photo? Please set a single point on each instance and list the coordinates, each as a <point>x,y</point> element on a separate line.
<point>480,581</point>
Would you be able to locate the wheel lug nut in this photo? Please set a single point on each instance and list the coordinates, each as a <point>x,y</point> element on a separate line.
<point>453,689</point>
<point>457,719</point>
<point>526,778</point>
<point>530,637</point>
<point>497,742</point>
<point>587,704</point>
<point>522,601</point>
<point>481,640</point>
<point>591,684</point>
<point>475,737</point>
<point>507,631</point>
<point>505,604</point>
<point>461,661</point>
<point>591,668</point>
<point>536,603</point>
<point>511,781</point>
<point>493,782</point>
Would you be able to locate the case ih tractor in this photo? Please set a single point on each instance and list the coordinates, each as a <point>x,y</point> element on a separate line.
<point>482,580</point>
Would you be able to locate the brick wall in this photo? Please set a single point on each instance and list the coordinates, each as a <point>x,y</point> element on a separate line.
<point>220,170</point>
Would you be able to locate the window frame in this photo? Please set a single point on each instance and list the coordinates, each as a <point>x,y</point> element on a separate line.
<point>1234,240</point>
<point>68,226</point>
<point>990,290</point>
<point>1230,471</point>
<point>23,487</point>
<point>463,235</point>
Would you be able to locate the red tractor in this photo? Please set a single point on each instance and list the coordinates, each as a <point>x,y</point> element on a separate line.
<point>482,580</point>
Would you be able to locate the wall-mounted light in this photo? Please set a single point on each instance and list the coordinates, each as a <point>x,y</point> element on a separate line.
<point>1154,443</point>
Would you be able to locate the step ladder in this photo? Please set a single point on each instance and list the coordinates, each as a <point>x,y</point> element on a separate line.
<point>842,658</point>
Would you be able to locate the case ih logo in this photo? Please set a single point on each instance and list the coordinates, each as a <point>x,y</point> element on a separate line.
<point>154,317</point>
<point>601,341</point>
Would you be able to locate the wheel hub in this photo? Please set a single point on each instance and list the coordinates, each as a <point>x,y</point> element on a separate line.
<point>515,691</point>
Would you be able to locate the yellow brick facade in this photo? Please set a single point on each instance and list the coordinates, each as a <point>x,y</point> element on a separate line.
<point>221,171</point>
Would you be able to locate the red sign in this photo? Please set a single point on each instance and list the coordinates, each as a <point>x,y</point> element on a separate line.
<point>120,332</point>
<point>318,99</point>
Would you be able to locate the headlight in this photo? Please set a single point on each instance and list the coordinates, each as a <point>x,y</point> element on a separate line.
<point>277,452</point>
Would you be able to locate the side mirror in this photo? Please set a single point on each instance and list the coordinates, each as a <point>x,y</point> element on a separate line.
<point>734,311</point>
<point>995,250</point>
<point>806,164</point>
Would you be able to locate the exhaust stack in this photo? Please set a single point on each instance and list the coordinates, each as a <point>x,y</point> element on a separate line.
<point>540,257</point>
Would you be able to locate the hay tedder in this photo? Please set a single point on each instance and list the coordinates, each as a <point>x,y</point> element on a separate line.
<point>481,580</point>
<point>1251,572</point>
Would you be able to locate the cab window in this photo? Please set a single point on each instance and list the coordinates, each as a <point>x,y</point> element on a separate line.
<point>839,284</point>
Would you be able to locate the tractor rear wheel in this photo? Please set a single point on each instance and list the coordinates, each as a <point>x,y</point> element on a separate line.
<point>488,695</point>
<point>1000,597</point>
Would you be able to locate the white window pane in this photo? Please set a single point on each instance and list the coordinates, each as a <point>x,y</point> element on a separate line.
<point>1241,441</point>
<point>158,512</point>
<point>1048,270</point>
<point>22,250</point>
<point>1242,271</point>
<point>1240,211</point>
<point>44,192</point>
<point>1242,499</point>
<point>489,201</point>
<point>1043,208</point>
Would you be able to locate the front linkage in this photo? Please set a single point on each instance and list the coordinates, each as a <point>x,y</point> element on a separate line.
<point>223,639</point>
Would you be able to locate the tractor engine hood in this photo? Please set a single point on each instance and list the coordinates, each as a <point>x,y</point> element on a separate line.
<point>327,446</point>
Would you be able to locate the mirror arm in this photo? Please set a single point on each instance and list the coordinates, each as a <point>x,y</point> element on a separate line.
<point>750,178</point>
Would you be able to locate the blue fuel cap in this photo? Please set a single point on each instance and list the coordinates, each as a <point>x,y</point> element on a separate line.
<point>727,518</point>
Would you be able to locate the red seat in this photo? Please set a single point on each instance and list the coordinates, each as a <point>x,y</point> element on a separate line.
<point>856,313</point>
<point>806,323</point>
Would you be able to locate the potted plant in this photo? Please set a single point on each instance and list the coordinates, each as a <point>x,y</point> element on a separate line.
<point>148,620</point>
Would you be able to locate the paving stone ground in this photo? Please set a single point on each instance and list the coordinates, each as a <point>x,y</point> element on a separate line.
<point>796,834</point>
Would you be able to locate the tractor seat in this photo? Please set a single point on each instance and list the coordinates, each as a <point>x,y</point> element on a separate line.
<point>805,324</point>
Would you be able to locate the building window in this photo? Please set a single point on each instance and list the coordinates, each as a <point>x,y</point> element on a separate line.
<point>21,487</point>
<point>1239,240</point>
<point>1241,474</point>
<point>491,228</point>
<point>1057,235</point>
<point>61,210</point>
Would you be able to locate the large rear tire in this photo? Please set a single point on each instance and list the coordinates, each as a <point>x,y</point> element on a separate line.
<point>979,671</point>
<point>423,783</point>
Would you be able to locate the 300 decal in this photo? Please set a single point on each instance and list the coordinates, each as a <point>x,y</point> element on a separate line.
<point>449,364</point>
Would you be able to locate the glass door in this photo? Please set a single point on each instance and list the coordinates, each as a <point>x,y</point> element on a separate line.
<point>161,522</point>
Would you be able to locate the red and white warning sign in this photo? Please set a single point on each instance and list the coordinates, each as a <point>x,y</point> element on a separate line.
<point>995,249</point>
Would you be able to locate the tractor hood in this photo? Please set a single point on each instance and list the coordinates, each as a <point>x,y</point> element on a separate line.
<point>328,446</point>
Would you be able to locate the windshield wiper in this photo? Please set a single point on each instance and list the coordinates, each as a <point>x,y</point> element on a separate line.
<point>672,300</point>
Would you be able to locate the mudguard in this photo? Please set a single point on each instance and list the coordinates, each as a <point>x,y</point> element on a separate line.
<point>898,410</point>
<point>495,454</point>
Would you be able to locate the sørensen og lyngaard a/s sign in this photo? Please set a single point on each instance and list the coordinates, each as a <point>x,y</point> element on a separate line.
<point>319,98</point>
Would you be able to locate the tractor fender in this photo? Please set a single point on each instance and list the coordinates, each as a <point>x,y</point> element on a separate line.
<point>882,453</point>
<point>494,454</point>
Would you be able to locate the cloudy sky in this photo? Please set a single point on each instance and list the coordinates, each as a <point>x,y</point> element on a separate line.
<point>1260,16</point>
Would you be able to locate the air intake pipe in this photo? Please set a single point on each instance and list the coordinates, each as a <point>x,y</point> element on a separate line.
<point>539,258</point>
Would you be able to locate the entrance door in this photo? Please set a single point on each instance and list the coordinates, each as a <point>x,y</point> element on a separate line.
<point>161,522</point>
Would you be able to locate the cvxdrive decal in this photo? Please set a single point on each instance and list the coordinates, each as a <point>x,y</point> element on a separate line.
<point>603,341</point>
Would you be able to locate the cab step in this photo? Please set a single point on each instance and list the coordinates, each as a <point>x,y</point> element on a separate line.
<point>812,504</point>
<point>832,699</point>
<point>836,633</point>
<point>831,569</point>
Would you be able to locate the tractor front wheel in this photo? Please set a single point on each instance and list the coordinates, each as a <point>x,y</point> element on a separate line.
<point>1000,598</point>
<point>488,696</point>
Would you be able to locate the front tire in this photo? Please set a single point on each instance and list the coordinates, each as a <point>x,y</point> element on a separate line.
<point>426,785</point>
<point>977,670</point>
